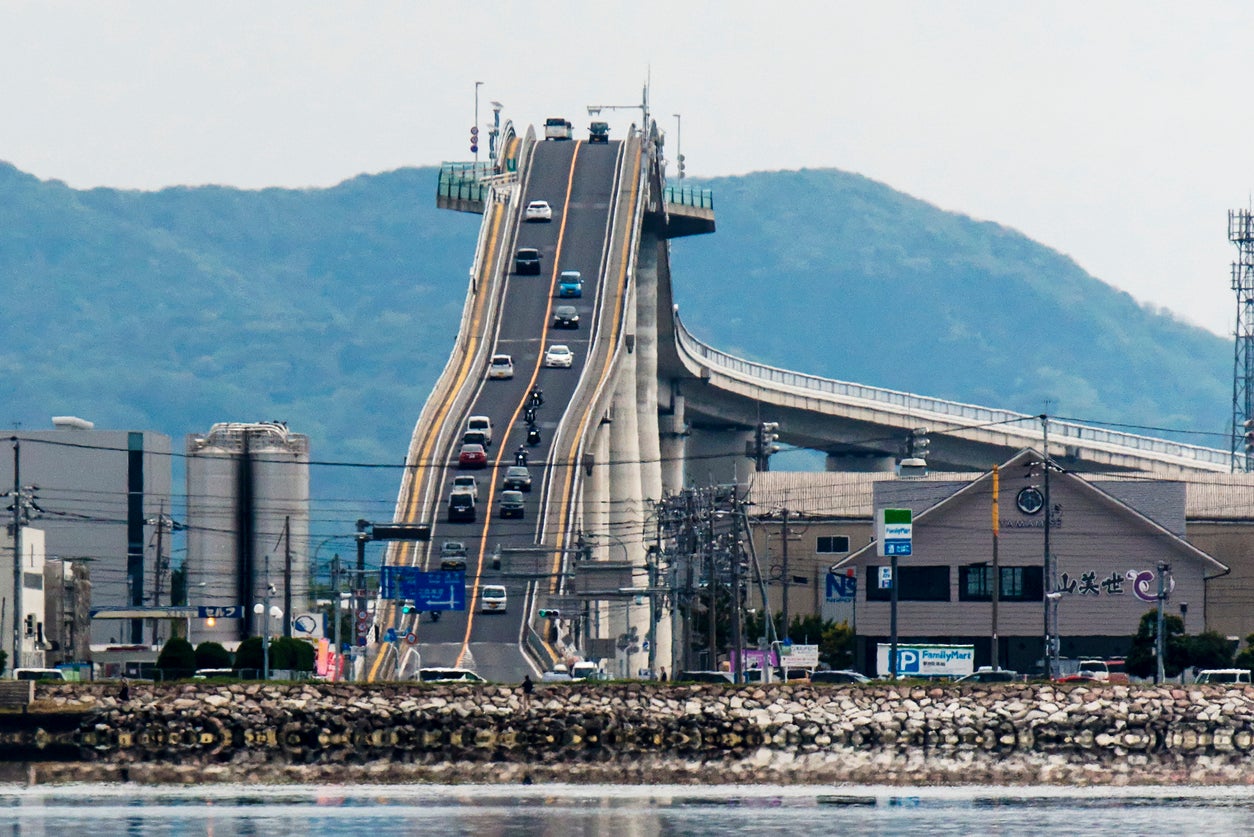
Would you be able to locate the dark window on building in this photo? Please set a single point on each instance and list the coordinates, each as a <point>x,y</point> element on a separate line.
<point>918,584</point>
<point>836,543</point>
<point>1018,584</point>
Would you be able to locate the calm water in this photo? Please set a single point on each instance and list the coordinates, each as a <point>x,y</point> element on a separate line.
<point>750,811</point>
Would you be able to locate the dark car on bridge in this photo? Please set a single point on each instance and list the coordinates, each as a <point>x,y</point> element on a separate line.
<point>565,316</point>
<point>461,507</point>
<point>517,478</point>
<point>512,504</point>
<point>527,261</point>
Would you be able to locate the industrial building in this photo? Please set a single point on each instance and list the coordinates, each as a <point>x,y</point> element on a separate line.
<point>100,497</point>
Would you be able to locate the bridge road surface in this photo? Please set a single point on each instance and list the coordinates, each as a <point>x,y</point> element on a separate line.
<point>578,180</point>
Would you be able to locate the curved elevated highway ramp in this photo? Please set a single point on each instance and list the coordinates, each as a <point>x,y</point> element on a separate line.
<point>592,190</point>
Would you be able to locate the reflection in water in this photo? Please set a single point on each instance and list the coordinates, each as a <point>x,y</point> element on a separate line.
<point>542,810</point>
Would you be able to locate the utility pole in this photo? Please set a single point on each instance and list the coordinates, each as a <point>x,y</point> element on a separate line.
<point>1051,641</point>
<point>287,576</point>
<point>17,555</point>
<point>1160,639</point>
<point>996,567</point>
<point>738,642</point>
<point>784,576</point>
<point>156,591</point>
<point>336,602</point>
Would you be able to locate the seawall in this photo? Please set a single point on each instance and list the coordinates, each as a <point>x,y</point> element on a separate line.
<point>635,733</point>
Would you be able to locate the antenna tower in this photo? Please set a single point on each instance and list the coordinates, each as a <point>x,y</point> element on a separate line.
<point>1241,233</point>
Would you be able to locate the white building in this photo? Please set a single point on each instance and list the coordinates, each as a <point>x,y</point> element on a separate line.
<point>31,621</point>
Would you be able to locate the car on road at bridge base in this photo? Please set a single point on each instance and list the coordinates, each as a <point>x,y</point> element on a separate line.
<point>559,356</point>
<point>570,284</point>
<point>452,555</point>
<point>501,368</point>
<point>1224,675</point>
<point>986,674</point>
<point>492,598</point>
<point>703,677</point>
<point>512,504</point>
<point>838,677</point>
<point>558,674</point>
<point>448,675</point>
<point>517,478</point>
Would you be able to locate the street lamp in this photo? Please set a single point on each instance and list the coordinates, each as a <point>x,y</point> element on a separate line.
<point>267,612</point>
<point>679,144</point>
<point>474,131</point>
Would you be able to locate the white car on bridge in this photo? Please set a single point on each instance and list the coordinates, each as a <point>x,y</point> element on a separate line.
<point>501,367</point>
<point>538,211</point>
<point>560,356</point>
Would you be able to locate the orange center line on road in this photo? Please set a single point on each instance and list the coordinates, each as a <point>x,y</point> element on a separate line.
<point>513,419</point>
<point>424,461</point>
<point>616,325</point>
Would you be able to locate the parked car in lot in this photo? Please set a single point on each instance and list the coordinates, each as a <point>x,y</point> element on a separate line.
<point>559,356</point>
<point>512,504</point>
<point>483,424</point>
<point>538,211</point>
<point>586,670</point>
<point>492,598</point>
<point>472,456</point>
<point>467,482</point>
<point>38,674</point>
<point>527,261</point>
<point>517,478</point>
<point>1224,675</point>
<point>565,316</point>
<point>501,367</point>
<point>838,677</point>
<point>461,507</point>
<point>984,674</point>
<point>703,677</point>
<point>558,674</point>
<point>570,284</point>
<point>448,675</point>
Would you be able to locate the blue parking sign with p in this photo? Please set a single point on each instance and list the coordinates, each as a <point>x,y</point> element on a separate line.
<point>907,661</point>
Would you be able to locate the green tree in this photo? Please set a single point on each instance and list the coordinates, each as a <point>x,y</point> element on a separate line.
<point>836,645</point>
<point>212,655</point>
<point>1210,649</point>
<point>4,661</point>
<point>1141,660</point>
<point>177,659</point>
<point>1246,658</point>
<point>249,655</point>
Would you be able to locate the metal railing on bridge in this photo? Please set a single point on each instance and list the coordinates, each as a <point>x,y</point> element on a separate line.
<point>464,181</point>
<point>963,414</point>
<point>689,196</point>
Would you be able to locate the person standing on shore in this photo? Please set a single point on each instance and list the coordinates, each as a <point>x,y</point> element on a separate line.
<point>527,688</point>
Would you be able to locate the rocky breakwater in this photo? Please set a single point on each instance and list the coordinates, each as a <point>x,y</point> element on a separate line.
<point>648,733</point>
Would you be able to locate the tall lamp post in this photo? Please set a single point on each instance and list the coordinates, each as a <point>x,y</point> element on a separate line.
<point>679,144</point>
<point>474,131</point>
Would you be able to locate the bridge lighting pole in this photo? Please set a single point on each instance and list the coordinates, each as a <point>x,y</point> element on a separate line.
<point>474,131</point>
<point>679,144</point>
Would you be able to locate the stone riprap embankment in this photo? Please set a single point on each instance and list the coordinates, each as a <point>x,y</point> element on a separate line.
<point>649,733</point>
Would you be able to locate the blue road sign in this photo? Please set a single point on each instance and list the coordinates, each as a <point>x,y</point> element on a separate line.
<point>389,635</point>
<point>441,590</point>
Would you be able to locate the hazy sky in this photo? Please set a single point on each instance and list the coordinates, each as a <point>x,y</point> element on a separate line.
<point>1115,132</point>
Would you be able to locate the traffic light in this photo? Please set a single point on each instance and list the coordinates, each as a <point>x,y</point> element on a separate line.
<point>550,613</point>
<point>918,442</point>
<point>680,160</point>
<point>30,624</point>
<point>1249,435</point>
<point>474,139</point>
<point>408,609</point>
<point>770,435</point>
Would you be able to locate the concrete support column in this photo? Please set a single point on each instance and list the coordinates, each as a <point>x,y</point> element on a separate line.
<point>650,445</point>
<point>718,456</point>
<point>674,441</point>
<point>861,463</point>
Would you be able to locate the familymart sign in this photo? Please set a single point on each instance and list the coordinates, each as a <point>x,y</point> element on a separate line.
<point>894,532</point>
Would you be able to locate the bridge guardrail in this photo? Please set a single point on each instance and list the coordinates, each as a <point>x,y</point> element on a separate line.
<point>971,414</point>
<point>689,196</point>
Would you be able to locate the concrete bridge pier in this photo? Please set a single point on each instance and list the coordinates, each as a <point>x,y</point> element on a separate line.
<point>717,456</point>
<point>673,430</point>
<point>863,463</point>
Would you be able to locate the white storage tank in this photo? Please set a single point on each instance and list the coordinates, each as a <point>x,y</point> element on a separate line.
<point>247,499</point>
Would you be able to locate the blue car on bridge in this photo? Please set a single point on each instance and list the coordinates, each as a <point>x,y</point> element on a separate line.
<point>570,284</point>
